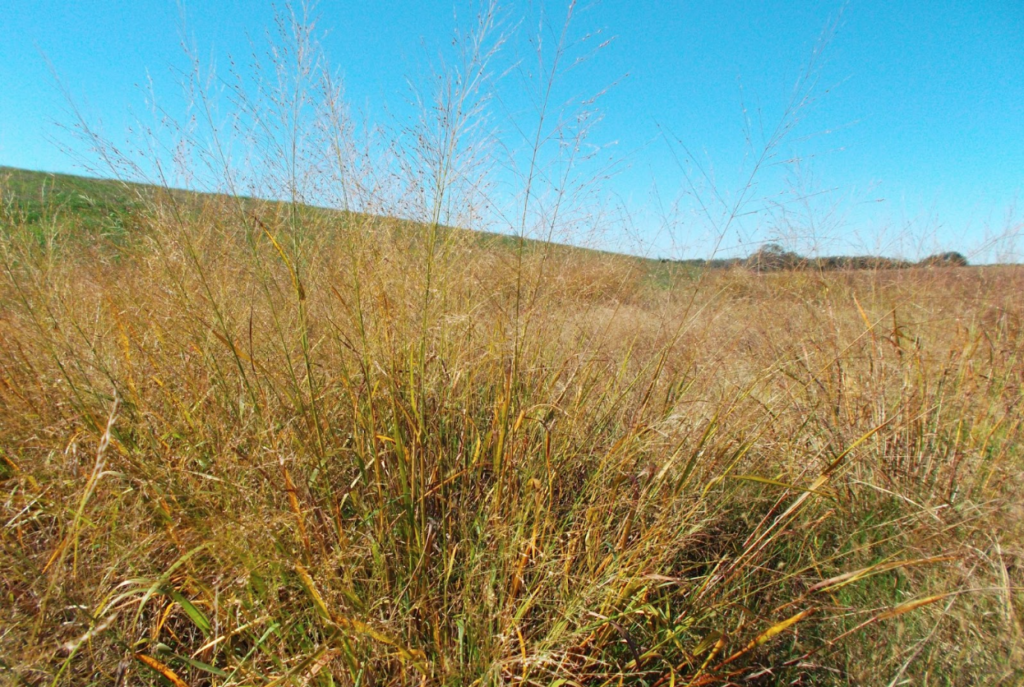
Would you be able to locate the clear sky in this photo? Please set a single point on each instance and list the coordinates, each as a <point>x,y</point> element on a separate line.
<point>916,133</point>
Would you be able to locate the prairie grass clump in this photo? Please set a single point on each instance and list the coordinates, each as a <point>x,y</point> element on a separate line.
<point>260,443</point>
<point>245,464</point>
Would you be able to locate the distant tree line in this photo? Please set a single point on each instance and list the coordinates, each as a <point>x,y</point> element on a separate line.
<point>774,258</point>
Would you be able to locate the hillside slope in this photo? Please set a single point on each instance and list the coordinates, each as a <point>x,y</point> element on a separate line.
<point>287,446</point>
<point>34,198</point>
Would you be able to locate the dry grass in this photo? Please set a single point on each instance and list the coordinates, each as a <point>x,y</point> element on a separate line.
<point>246,443</point>
<point>237,456</point>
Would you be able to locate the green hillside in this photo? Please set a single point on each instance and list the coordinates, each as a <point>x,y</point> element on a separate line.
<point>105,206</point>
<point>38,198</point>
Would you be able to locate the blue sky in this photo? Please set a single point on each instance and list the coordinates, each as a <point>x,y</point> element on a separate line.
<point>915,139</point>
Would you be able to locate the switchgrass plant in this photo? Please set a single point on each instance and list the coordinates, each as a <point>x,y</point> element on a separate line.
<point>260,443</point>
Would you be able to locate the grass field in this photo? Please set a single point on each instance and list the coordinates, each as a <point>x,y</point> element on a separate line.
<point>250,444</point>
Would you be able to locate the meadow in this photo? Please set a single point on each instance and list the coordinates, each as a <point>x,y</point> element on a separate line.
<point>386,430</point>
<point>263,444</point>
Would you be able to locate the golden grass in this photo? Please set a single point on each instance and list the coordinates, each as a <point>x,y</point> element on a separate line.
<point>313,451</point>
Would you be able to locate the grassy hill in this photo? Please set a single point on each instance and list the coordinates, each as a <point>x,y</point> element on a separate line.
<point>33,198</point>
<point>105,206</point>
<point>77,207</point>
<point>102,206</point>
<point>245,446</point>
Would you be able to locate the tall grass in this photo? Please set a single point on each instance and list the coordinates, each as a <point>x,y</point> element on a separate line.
<point>259,443</point>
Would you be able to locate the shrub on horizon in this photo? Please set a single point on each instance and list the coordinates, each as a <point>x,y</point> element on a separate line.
<point>947,259</point>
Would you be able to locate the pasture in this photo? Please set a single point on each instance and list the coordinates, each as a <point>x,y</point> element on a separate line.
<point>249,443</point>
